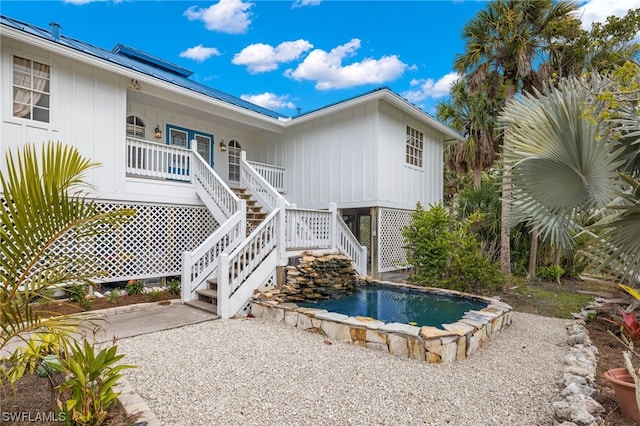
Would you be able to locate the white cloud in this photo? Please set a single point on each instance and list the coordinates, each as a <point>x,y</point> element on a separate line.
<point>592,11</point>
<point>303,3</point>
<point>428,88</point>
<point>261,57</point>
<point>327,70</point>
<point>199,53</point>
<point>269,100</point>
<point>226,16</point>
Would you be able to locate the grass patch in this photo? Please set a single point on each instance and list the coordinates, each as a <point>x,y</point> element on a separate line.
<point>548,299</point>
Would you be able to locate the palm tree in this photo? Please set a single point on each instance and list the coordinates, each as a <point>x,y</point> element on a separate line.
<point>474,116</point>
<point>503,43</point>
<point>565,167</point>
<point>43,215</point>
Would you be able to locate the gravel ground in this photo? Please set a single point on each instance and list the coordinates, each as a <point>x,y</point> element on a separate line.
<point>251,372</point>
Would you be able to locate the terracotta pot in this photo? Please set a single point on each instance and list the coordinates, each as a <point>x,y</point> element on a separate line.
<point>625,391</point>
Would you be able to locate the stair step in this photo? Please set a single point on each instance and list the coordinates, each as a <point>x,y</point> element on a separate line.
<point>204,306</point>
<point>207,292</point>
<point>213,282</point>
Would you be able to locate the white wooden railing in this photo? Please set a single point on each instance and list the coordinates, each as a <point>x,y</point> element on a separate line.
<point>213,185</point>
<point>264,193</point>
<point>200,264</point>
<point>348,244</point>
<point>308,229</point>
<point>157,161</point>
<point>247,267</point>
<point>272,174</point>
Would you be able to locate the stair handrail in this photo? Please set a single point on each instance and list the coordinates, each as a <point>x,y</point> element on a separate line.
<point>235,268</point>
<point>348,244</point>
<point>213,184</point>
<point>266,195</point>
<point>201,263</point>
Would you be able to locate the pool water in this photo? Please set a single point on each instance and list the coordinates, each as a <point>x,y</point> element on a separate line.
<point>402,305</point>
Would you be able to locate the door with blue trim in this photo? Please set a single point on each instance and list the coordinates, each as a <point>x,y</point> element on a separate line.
<point>182,137</point>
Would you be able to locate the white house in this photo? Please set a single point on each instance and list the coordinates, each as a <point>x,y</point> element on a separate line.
<point>345,176</point>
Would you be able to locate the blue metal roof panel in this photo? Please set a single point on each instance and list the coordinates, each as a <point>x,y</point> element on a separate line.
<point>160,73</point>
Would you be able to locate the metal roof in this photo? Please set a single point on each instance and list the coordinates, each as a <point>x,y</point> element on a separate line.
<point>134,59</point>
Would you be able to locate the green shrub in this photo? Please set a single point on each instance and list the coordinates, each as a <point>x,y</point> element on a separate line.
<point>154,295</point>
<point>446,253</point>
<point>174,286</point>
<point>550,273</point>
<point>114,295</point>
<point>79,293</point>
<point>134,287</point>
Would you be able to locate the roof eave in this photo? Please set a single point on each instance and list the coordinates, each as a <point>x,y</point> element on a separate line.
<point>129,73</point>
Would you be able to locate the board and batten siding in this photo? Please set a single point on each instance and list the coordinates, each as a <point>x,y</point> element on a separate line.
<point>88,110</point>
<point>329,159</point>
<point>402,185</point>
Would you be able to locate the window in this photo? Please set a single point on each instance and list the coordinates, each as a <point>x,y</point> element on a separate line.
<point>234,160</point>
<point>135,127</point>
<point>414,148</point>
<point>31,89</point>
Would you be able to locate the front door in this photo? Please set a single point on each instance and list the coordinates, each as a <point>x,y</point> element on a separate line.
<point>181,137</point>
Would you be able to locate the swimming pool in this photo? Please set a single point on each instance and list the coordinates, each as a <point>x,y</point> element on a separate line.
<point>400,304</point>
<point>451,341</point>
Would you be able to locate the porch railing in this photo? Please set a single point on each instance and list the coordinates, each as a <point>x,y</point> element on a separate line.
<point>200,264</point>
<point>266,195</point>
<point>272,174</point>
<point>157,161</point>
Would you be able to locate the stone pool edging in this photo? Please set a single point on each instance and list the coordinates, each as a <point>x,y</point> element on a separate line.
<point>456,341</point>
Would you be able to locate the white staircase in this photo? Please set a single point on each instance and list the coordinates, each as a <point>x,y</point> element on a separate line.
<point>259,230</point>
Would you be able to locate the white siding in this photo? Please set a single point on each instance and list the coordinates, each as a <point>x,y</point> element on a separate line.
<point>402,185</point>
<point>330,159</point>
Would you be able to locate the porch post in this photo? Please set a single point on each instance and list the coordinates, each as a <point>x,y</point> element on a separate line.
<point>185,291</point>
<point>333,224</point>
<point>281,229</point>
<point>223,286</point>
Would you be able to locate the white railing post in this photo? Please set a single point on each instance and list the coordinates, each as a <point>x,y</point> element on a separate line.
<point>242,207</point>
<point>223,286</point>
<point>185,281</point>
<point>281,229</point>
<point>243,155</point>
<point>333,226</point>
<point>363,261</point>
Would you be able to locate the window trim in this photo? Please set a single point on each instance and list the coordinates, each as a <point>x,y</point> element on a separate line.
<point>414,148</point>
<point>135,126</point>
<point>190,136</point>
<point>46,90</point>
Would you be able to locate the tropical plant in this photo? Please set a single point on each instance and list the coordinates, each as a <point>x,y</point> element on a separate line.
<point>503,43</point>
<point>28,358</point>
<point>566,170</point>
<point>44,214</point>
<point>91,381</point>
<point>475,117</point>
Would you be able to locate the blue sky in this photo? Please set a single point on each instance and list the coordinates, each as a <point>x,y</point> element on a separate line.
<point>286,55</point>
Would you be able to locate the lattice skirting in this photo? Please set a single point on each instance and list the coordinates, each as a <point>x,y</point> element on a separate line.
<point>391,254</point>
<point>151,244</point>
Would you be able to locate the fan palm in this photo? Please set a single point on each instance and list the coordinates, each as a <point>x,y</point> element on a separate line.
<point>565,167</point>
<point>43,216</point>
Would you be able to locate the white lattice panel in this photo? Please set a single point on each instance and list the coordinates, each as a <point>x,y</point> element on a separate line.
<point>151,244</point>
<point>391,254</point>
